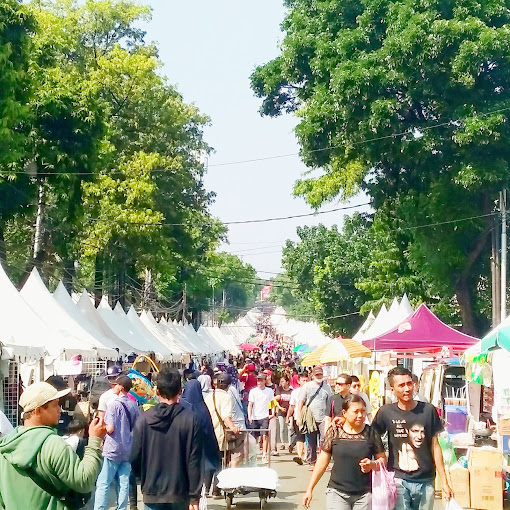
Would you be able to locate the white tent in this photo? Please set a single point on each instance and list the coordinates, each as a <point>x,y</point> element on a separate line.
<point>139,329</point>
<point>120,325</point>
<point>148,320</point>
<point>209,341</point>
<point>365,327</point>
<point>35,293</point>
<point>63,298</point>
<point>175,330</point>
<point>405,309</point>
<point>379,325</point>
<point>225,341</point>
<point>88,310</point>
<point>25,334</point>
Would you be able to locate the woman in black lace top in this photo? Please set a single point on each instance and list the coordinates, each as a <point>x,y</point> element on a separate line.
<point>356,450</point>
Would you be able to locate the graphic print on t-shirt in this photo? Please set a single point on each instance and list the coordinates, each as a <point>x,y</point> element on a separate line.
<point>410,436</point>
<point>414,436</point>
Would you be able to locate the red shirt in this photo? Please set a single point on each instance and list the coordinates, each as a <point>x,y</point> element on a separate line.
<point>250,381</point>
<point>295,381</point>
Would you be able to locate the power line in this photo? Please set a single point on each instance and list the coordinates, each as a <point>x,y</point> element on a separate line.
<point>240,222</point>
<point>449,221</point>
<point>450,122</point>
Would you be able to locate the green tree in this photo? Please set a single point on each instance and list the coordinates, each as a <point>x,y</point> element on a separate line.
<point>16,27</point>
<point>408,102</point>
<point>325,266</point>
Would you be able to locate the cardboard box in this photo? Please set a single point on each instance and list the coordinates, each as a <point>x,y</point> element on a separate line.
<point>458,480</point>
<point>486,475</point>
<point>504,426</point>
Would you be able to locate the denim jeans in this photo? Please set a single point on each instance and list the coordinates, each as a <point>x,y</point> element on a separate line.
<point>414,495</point>
<point>336,500</point>
<point>284,430</point>
<point>109,471</point>
<point>313,440</point>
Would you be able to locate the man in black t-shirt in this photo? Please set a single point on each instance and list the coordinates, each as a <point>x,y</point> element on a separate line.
<point>414,451</point>
<point>342,390</point>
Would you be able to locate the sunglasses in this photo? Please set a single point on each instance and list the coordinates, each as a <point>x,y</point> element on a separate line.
<point>340,383</point>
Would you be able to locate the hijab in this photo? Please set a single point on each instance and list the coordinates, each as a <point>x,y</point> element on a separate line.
<point>193,400</point>
<point>205,383</point>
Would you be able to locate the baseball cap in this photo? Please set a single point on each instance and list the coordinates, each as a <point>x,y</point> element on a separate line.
<point>261,375</point>
<point>113,372</point>
<point>38,394</point>
<point>125,382</point>
<point>267,372</point>
<point>317,370</point>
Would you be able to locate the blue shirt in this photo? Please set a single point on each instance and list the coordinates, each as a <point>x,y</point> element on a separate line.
<point>117,445</point>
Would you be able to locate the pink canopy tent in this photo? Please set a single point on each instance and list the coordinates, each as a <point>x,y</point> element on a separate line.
<point>422,331</point>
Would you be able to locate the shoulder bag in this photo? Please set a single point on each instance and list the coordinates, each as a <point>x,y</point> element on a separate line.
<point>231,440</point>
<point>308,425</point>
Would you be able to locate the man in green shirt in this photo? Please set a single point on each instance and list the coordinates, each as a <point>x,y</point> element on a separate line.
<point>38,469</point>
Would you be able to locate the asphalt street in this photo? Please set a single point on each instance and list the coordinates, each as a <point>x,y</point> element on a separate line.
<point>293,482</point>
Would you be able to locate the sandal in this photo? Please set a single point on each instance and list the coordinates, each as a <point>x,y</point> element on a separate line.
<point>298,460</point>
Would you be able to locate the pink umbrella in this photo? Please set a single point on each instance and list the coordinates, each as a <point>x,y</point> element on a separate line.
<point>248,347</point>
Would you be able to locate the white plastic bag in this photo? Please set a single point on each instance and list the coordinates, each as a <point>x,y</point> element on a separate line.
<point>384,490</point>
<point>452,505</point>
<point>203,500</point>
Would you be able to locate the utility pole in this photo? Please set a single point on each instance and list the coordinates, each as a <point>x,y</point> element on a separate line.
<point>38,225</point>
<point>496,274</point>
<point>213,306</point>
<point>223,299</point>
<point>184,319</point>
<point>504,247</point>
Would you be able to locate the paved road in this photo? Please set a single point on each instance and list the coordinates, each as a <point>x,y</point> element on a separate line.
<point>293,482</point>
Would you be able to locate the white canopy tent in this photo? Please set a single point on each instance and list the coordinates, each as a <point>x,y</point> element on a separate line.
<point>35,293</point>
<point>139,329</point>
<point>24,332</point>
<point>176,330</point>
<point>225,341</point>
<point>119,324</point>
<point>210,341</point>
<point>148,320</point>
<point>365,327</point>
<point>379,324</point>
<point>62,297</point>
<point>88,310</point>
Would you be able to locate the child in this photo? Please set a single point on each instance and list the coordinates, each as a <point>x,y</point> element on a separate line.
<point>75,436</point>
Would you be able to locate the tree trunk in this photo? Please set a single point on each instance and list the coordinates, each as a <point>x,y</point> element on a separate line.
<point>464,298</point>
<point>121,279</point>
<point>2,242</point>
<point>69,274</point>
<point>98,279</point>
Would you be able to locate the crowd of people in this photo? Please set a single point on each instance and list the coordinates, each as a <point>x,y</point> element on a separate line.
<point>234,414</point>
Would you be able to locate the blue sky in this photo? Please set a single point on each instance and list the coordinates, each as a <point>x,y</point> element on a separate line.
<point>209,49</point>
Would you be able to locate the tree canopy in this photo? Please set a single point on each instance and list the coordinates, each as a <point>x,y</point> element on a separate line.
<point>408,102</point>
<point>103,155</point>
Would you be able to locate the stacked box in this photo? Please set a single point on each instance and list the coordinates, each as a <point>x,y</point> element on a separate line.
<point>485,470</point>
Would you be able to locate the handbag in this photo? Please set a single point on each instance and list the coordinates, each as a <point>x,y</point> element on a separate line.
<point>308,425</point>
<point>231,440</point>
<point>384,490</point>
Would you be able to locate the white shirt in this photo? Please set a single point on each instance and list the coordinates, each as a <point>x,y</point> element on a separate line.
<point>294,399</point>
<point>260,400</point>
<point>105,399</point>
<point>5,425</point>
